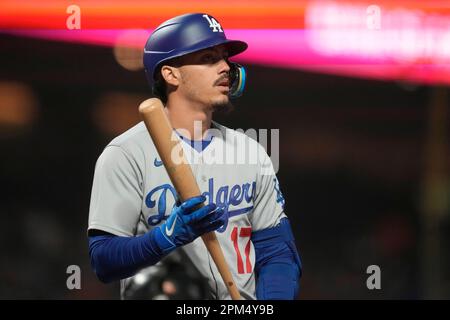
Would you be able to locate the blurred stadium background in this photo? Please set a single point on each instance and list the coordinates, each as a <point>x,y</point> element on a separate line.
<point>358,89</point>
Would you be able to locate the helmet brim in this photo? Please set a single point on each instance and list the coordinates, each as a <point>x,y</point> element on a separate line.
<point>234,47</point>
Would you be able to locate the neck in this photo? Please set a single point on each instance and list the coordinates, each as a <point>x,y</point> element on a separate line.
<point>189,119</point>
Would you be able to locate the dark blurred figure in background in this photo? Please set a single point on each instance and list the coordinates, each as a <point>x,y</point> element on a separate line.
<point>173,278</point>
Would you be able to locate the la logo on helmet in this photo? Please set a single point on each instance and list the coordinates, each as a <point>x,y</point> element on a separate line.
<point>213,24</point>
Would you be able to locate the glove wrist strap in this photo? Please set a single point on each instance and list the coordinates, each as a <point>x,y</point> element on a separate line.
<point>162,242</point>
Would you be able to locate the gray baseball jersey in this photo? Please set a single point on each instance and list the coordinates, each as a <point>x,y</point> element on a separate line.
<point>132,193</point>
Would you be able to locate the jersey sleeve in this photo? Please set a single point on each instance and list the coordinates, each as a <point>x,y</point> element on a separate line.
<point>268,199</point>
<point>116,196</point>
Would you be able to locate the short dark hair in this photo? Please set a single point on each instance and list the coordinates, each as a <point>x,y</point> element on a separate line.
<point>159,87</point>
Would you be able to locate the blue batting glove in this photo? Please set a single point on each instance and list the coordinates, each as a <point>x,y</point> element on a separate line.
<point>186,223</point>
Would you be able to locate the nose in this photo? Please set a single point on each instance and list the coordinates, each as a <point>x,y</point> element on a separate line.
<point>224,66</point>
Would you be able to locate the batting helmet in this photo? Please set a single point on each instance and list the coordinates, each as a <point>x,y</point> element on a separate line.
<point>186,34</point>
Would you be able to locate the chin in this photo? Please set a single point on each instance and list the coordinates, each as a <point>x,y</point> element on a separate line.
<point>222,105</point>
<point>223,99</point>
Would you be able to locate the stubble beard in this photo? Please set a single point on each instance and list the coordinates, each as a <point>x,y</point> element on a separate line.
<point>222,107</point>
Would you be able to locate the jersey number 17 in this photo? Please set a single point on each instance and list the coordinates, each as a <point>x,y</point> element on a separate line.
<point>240,234</point>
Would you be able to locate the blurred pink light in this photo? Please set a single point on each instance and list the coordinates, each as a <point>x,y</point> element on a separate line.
<point>296,48</point>
<point>402,35</point>
<point>101,37</point>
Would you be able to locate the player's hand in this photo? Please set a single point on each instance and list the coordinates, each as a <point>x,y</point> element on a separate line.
<point>186,222</point>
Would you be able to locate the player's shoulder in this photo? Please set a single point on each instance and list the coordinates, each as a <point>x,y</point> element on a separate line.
<point>134,137</point>
<point>132,142</point>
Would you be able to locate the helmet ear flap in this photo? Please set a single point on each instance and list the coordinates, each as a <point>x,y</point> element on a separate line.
<point>238,77</point>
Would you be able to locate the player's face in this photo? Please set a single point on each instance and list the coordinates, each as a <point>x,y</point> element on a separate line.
<point>205,77</point>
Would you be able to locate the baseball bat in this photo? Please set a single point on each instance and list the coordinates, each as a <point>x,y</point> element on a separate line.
<point>180,173</point>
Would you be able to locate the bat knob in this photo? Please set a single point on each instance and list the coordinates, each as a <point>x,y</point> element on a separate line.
<point>149,105</point>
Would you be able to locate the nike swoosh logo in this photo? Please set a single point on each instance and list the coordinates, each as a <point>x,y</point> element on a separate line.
<point>170,231</point>
<point>157,163</point>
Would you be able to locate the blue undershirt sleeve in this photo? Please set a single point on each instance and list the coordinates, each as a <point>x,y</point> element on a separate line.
<point>115,257</point>
<point>278,266</point>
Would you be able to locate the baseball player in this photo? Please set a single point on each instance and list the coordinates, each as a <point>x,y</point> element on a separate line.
<point>136,217</point>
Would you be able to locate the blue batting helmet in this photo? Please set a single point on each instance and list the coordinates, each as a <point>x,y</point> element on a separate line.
<point>186,34</point>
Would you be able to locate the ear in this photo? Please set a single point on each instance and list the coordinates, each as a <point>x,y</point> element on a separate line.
<point>171,75</point>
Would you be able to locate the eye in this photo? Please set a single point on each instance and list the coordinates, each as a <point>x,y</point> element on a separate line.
<point>207,58</point>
